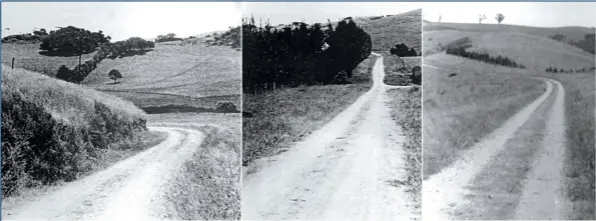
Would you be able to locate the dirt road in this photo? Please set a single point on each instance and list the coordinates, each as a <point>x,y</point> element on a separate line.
<point>465,190</point>
<point>348,169</point>
<point>128,190</point>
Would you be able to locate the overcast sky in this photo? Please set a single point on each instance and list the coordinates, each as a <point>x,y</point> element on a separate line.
<point>122,20</point>
<point>542,14</point>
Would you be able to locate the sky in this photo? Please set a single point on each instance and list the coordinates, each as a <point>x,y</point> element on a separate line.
<point>313,12</point>
<point>541,14</point>
<point>122,20</point>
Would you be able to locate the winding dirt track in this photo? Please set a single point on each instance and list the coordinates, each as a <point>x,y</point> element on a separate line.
<point>127,190</point>
<point>343,171</point>
<point>542,194</point>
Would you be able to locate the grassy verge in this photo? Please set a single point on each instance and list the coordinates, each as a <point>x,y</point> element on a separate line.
<point>461,109</point>
<point>579,171</point>
<point>27,57</point>
<point>406,111</point>
<point>209,188</point>
<point>54,131</point>
<point>285,116</point>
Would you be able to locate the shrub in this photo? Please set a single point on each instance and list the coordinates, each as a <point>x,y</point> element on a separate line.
<point>226,107</point>
<point>114,75</point>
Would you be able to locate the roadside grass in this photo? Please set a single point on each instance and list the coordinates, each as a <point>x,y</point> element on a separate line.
<point>461,109</point>
<point>580,156</point>
<point>54,131</point>
<point>398,70</point>
<point>389,31</point>
<point>27,57</point>
<point>209,185</point>
<point>284,116</point>
<point>406,111</point>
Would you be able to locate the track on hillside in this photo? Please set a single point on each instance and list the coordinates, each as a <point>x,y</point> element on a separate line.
<point>447,194</point>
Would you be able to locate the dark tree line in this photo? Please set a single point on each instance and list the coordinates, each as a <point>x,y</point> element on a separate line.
<point>71,41</point>
<point>561,70</point>
<point>460,50</point>
<point>301,54</point>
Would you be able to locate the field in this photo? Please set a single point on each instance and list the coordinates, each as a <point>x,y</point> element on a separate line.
<point>193,75</point>
<point>471,103</point>
<point>285,116</point>
<point>27,57</point>
<point>43,113</point>
<point>390,30</point>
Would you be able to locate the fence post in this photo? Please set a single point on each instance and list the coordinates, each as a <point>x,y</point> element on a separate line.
<point>274,85</point>
<point>12,65</point>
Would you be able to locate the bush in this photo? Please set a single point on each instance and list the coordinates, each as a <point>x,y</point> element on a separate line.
<point>226,107</point>
<point>459,48</point>
<point>402,50</point>
<point>114,74</point>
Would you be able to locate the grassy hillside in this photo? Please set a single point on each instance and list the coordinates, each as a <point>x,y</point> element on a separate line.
<point>27,57</point>
<point>529,46</point>
<point>55,131</point>
<point>572,33</point>
<point>194,75</point>
<point>387,31</point>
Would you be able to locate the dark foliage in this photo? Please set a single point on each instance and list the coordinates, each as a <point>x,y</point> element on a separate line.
<point>70,41</point>
<point>459,48</point>
<point>300,54</point>
<point>402,50</point>
<point>39,150</point>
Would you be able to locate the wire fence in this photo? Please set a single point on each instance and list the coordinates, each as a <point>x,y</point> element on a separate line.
<point>30,64</point>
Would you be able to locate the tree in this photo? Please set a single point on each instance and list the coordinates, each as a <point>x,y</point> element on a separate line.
<point>481,17</point>
<point>440,17</point>
<point>114,75</point>
<point>500,17</point>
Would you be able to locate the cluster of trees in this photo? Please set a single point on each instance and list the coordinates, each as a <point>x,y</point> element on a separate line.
<point>131,45</point>
<point>561,70</point>
<point>499,60</point>
<point>35,37</point>
<point>301,54</point>
<point>402,50</point>
<point>69,41</point>
<point>167,37</point>
<point>588,44</point>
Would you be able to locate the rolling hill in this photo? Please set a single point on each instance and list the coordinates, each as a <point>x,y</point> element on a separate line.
<point>529,46</point>
<point>387,31</point>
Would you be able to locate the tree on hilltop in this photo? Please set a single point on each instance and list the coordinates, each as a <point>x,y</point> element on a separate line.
<point>500,17</point>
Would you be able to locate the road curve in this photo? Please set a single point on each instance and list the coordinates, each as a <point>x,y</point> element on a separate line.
<point>343,171</point>
<point>126,190</point>
<point>542,196</point>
